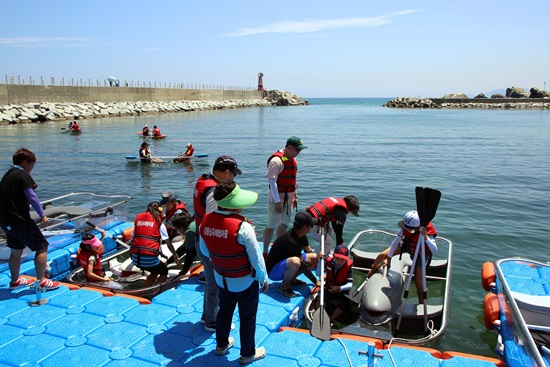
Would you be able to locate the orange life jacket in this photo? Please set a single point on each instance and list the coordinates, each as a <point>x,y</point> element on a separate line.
<point>286,181</point>
<point>83,259</point>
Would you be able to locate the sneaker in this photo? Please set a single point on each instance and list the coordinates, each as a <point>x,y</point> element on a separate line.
<point>287,292</point>
<point>48,285</point>
<point>21,282</point>
<point>259,354</point>
<point>203,321</point>
<point>212,328</point>
<point>202,279</point>
<point>223,351</point>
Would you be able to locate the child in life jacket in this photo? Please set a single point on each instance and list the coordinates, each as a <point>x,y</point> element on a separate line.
<point>339,279</point>
<point>89,256</point>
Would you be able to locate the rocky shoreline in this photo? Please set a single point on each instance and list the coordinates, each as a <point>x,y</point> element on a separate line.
<point>45,111</point>
<point>472,103</point>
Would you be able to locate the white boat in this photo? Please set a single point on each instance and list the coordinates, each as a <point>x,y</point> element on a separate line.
<point>380,299</point>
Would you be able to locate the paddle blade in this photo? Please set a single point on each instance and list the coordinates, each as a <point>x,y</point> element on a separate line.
<point>427,201</point>
<point>320,326</point>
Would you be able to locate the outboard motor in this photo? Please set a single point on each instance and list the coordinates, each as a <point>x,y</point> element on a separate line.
<point>382,295</point>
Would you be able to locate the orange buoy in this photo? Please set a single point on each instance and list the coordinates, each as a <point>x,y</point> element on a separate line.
<point>487,275</point>
<point>127,234</point>
<point>491,311</point>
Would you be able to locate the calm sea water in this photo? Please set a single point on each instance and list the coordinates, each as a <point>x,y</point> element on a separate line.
<point>492,167</point>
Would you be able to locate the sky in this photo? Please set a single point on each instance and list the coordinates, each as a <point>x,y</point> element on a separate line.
<point>315,49</point>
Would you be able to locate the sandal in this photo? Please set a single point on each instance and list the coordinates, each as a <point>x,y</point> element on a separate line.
<point>297,282</point>
<point>221,352</point>
<point>259,354</point>
<point>287,292</point>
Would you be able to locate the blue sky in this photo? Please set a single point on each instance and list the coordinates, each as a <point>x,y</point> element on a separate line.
<point>359,48</point>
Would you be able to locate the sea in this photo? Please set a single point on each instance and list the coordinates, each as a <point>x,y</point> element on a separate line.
<point>491,166</point>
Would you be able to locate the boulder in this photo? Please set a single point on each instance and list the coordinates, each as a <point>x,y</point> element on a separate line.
<point>537,93</point>
<point>497,95</point>
<point>455,95</point>
<point>516,92</point>
<point>480,95</point>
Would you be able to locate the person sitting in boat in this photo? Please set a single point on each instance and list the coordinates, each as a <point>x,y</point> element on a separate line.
<point>335,211</point>
<point>406,242</point>
<point>76,126</point>
<point>149,232</point>
<point>285,260</point>
<point>70,127</point>
<point>146,131</point>
<point>89,256</point>
<point>188,153</point>
<point>190,150</point>
<point>184,224</point>
<point>145,153</point>
<point>156,132</point>
<point>339,279</point>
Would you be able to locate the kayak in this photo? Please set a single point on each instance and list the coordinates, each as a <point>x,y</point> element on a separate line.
<point>151,137</point>
<point>170,159</point>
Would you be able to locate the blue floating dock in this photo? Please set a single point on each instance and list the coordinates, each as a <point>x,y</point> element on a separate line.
<point>85,328</point>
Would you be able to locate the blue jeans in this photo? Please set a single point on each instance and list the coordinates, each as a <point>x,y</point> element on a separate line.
<point>248,307</point>
<point>211,300</point>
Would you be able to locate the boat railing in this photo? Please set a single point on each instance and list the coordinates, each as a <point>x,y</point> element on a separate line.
<point>518,324</point>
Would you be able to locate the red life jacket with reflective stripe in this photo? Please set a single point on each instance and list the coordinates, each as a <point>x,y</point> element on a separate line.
<point>323,209</point>
<point>219,232</point>
<point>146,235</point>
<point>203,183</point>
<point>286,181</point>
<point>411,239</point>
<point>84,257</point>
<point>341,277</point>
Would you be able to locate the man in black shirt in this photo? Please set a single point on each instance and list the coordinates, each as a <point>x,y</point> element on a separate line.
<point>286,261</point>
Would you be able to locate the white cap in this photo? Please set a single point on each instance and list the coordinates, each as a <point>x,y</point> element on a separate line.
<point>188,145</point>
<point>410,222</point>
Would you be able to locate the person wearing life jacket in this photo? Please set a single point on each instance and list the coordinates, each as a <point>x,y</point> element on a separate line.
<point>406,241</point>
<point>149,232</point>
<point>184,224</point>
<point>229,239</point>
<point>332,211</point>
<point>339,279</point>
<point>188,153</point>
<point>156,132</point>
<point>89,257</point>
<point>76,126</point>
<point>190,150</point>
<point>145,153</point>
<point>172,204</point>
<point>225,169</point>
<point>281,199</point>
<point>145,131</point>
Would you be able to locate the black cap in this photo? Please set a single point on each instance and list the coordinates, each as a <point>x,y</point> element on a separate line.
<point>304,218</point>
<point>226,162</point>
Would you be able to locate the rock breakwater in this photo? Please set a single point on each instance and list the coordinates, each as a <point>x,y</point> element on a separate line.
<point>45,111</point>
<point>471,103</point>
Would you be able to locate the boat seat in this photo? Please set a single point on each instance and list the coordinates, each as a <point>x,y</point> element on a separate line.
<point>364,254</point>
<point>417,310</point>
<point>538,304</point>
<point>58,211</point>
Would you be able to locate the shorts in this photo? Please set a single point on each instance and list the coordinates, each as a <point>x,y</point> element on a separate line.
<point>278,271</point>
<point>275,219</point>
<point>25,234</point>
<point>150,263</point>
<point>418,263</point>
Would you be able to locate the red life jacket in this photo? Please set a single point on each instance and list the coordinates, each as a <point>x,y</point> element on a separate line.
<point>189,151</point>
<point>203,183</point>
<point>146,235</point>
<point>76,127</point>
<point>411,239</point>
<point>169,214</point>
<point>84,257</point>
<point>324,208</point>
<point>341,277</point>
<point>156,132</point>
<point>219,232</point>
<point>286,181</point>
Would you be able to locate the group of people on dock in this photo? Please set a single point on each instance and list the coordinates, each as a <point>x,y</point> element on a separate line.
<point>225,241</point>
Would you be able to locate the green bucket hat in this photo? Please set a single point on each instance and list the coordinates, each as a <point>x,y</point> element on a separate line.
<point>238,199</point>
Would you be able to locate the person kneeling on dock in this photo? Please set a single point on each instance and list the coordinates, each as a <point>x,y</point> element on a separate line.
<point>285,260</point>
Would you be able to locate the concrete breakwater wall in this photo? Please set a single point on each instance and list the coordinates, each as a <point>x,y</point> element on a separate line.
<point>472,103</point>
<point>51,111</point>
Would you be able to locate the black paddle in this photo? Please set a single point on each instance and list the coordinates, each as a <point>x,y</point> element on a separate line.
<point>427,201</point>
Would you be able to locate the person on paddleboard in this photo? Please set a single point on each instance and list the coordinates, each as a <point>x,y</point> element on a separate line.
<point>406,241</point>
